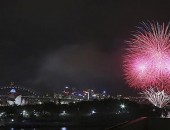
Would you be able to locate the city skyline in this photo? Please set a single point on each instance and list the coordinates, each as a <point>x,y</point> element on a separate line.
<point>49,45</point>
<point>18,95</point>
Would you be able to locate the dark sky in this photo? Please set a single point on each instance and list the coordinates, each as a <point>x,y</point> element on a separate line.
<point>46,45</point>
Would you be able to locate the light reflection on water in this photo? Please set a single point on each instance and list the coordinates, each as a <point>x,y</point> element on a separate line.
<point>56,128</point>
<point>62,128</point>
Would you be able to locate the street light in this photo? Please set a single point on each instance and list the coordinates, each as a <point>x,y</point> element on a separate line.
<point>64,113</point>
<point>93,112</point>
<point>122,106</point>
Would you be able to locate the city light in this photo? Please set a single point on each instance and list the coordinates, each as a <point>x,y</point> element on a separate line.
<point>2,114</point>
<point>88,96</point>
<point>25,113</point>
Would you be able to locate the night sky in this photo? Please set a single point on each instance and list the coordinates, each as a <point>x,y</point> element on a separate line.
<point>47,45</point>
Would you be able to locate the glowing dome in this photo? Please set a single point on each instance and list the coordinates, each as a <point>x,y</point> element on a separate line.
<point>12,91</point>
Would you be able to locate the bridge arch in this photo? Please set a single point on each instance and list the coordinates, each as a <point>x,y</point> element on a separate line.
<point>20,88</point>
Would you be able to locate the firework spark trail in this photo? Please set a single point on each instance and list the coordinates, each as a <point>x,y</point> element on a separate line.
<point>157,97</point>
<point>147,58</point>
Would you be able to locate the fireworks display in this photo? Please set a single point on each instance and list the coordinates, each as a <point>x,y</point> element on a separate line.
<point>147,58</point>
<point>156,97</point>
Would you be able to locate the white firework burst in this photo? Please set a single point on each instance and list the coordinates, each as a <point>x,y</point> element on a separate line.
<point>158,98</point>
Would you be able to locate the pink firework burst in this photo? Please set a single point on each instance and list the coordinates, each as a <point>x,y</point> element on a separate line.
<point>147,58</point>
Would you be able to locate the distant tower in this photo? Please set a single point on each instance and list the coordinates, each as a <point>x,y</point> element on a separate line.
<point>11,83</point>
